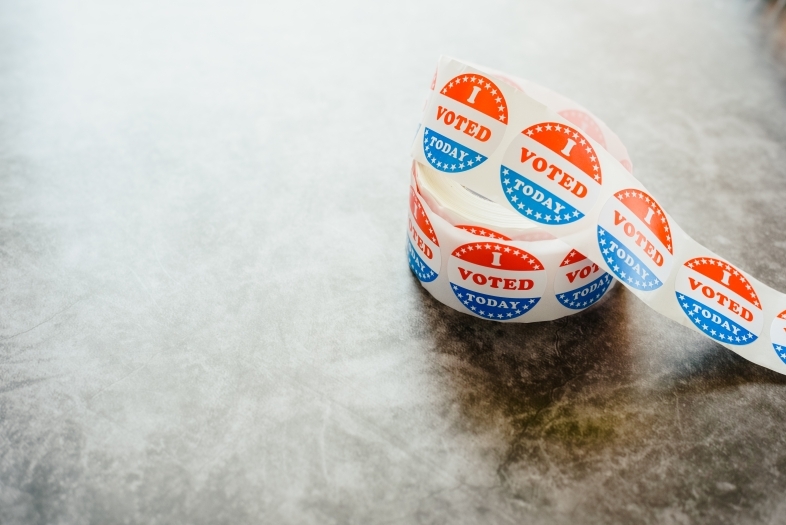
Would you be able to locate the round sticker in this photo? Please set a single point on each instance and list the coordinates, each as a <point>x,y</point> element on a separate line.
<point>467,122</point>
<point>422,245</point>
<point>550,174</point>
<point>580,282</point>
<point>778,335</point>
<point>496,281</point>
<point>635,238</point>
<point>719,300</point>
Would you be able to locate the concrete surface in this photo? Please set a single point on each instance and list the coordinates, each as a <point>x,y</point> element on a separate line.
<point>206,314</point>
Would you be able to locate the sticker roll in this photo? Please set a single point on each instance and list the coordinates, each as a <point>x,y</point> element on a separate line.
<point>523,207</point>
<point>480,259</point>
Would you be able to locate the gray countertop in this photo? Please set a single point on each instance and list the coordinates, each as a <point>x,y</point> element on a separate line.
<point>206,313</point>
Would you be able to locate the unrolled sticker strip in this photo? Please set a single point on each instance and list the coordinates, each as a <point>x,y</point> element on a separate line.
<point>557,167</point>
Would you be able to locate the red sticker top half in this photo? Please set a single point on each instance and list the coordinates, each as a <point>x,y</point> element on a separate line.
<point>650,213</point>
<point>481,93</point>
<point>725,275</point>
<point>496,255</point>
<point>578,151</point>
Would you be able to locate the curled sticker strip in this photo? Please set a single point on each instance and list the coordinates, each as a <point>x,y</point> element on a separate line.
<point>523,208</point>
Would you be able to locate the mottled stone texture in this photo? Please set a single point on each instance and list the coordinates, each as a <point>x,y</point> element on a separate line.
<point>206,314</point>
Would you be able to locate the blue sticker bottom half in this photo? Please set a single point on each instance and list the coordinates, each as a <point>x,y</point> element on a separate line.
<point>448,155</point>
<point>418,267</point>
<point>534,201</point>
<point>627,267</point>
<point>491,306</point>
<point>586,295</point>
<point>781,351</point>
<point>715,324</point>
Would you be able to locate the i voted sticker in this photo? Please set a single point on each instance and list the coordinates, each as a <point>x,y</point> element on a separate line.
<point>422,244</point>
<point>464,124</point>
<point>579,282</point>
<point>635,238</point>
<point>778,335</point>
<point>550,174</point>
<point>496,281</point>
<point>719,300</point>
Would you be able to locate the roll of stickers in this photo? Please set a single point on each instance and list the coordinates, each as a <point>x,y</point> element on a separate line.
<point>490,269</point>
<point>523,208</point>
